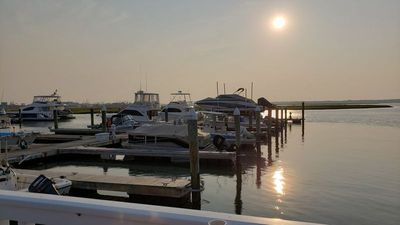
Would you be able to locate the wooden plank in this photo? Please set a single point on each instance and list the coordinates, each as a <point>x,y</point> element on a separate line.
<point>162,187</point>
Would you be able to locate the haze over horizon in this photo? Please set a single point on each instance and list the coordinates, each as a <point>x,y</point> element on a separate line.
<point>100,51</point>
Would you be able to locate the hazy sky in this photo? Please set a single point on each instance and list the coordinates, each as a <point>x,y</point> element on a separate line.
<point>99,51</point>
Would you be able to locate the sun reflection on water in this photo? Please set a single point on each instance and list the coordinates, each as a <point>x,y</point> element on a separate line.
<point>279,182</point>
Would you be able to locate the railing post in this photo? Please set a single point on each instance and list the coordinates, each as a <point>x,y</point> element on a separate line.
<point>166,113</point>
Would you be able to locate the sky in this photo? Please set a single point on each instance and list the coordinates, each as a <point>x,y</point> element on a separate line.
<point>104,51</point>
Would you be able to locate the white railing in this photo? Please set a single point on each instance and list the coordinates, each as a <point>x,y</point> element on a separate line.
<point>31,208</point>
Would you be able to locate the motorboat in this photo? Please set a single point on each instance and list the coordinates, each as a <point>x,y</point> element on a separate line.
<point>227,103</point>
<point>122,122</point>
<point>217,125</point>
<point>42,108</point>
<point>20,139</point>
<point>162,133</point>
<point>5,120</point>
<point>179,108</point>
<point>145,107</point>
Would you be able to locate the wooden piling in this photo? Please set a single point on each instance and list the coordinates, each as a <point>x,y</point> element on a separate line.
<point>104,118</point>
<point>20,117</point>
<point>251,120</point>
<point>258,121</point>
<point>91,117</point>
<point>277,128</point>
<point>285,125</point>
<point>55,118</point>
<point>269,130</point>
<point>166,113</point>
<point>302,118</point>
<point>194,160</point>
<point>236,115</point>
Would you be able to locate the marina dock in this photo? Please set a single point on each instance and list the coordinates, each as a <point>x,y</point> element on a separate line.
<point>140,186</point>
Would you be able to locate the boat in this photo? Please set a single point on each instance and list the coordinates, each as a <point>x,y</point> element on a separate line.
<point>42,108</point>
<point>19,139</point>
<point>179,108</point>
<point>5,120</point>
<point>162,133</point>
<point>217,125</point>
<point>8,178</point>
<point>227,103</point>
<point>122,122</point>
<point>145,107</point>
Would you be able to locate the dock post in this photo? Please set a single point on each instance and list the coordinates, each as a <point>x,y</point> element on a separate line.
<point>282,123</point>
<point>92,118</point>
<point>286,125</point>
<point>277,129</point>
<point>20,117</point>
<point>104,118</point>
<point>214,122</point>
<point>166,113</point>
<point>194,160</point>
<point>269,128</point>
<point>302,119</point>
<point>55,118</point>
<point>250,120</point>
<point>258,121</point>
<point>236,115</point>
<point>269,135</point>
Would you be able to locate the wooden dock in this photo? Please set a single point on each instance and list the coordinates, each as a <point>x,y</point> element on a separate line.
<point>151,151</point>
<point>141,186</point>
<point>35,152</point>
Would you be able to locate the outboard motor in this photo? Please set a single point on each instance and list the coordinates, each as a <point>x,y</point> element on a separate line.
<point>42,184</point>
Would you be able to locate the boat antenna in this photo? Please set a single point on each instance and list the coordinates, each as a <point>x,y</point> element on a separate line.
<point>217,89</point>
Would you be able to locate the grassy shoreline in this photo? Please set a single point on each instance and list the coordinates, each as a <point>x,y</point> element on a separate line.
<point>335,106</point>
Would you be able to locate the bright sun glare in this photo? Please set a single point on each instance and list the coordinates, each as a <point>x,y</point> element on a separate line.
<point>279,22</point>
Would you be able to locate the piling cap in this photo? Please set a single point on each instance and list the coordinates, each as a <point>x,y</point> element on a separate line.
<point>236,112</point>
<point>192,115</point>
<point>257,109</point>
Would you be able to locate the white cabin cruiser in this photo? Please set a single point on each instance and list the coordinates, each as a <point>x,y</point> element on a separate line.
<point>42,108</point>
<point>145,107</point>
<point>179,108</point>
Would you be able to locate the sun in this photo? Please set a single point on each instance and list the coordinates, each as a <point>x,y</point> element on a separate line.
<point>279,22</point>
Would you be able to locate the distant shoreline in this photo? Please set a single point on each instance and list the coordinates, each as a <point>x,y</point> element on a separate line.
<point>333,106</point>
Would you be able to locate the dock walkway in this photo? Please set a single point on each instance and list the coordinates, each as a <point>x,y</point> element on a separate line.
<point>146,186</point>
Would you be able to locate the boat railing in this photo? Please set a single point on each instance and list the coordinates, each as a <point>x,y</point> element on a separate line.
<point>34,208</point>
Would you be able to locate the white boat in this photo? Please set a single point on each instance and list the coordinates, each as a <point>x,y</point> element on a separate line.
<point>217,124</point>
<point>20,139</point>
<point>8,178</point>
<point>166,133</point>
<point>227,103</point>
<point>179,108</point>
<point>145,107</point>
<point>42,108</point>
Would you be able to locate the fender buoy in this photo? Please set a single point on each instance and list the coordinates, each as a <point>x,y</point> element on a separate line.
<point>23,144</point>
<point>219,142</point>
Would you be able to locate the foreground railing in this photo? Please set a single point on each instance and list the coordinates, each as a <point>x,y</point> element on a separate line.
<point>31,208</point>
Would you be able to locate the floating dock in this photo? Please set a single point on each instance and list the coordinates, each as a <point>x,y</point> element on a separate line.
<point>140,186</point>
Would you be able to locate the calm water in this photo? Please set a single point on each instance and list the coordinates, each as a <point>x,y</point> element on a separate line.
<point>346,170</point>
